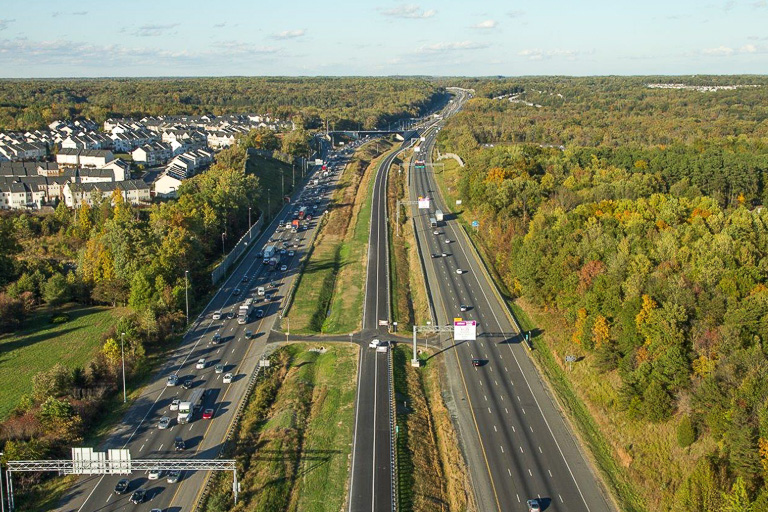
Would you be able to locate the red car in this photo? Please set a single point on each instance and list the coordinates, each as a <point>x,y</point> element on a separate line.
<point>208,414</point>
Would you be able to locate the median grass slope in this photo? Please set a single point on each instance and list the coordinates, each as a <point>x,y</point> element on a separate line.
<point>294,441</point>
<point>330,292</point>
<point>42,344</point>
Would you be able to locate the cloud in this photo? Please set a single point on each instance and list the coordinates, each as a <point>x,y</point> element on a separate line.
<point>450,47</point>
<point>760,4</point>
<point>289,34</point>
<point>730,4</point>
<point>56,14</point>
<point>4,23</point>
<point>154,30</point>
<point>485,25</point>
<point>408,11</point>
<point>516,14</point>
<point>539,54</point>
<point>220,25</point>
<point>241,48</point>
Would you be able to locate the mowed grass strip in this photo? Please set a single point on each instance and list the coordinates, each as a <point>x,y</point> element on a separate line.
<point>41,344</point>
<point>432,474</point>
<point>294,440</point>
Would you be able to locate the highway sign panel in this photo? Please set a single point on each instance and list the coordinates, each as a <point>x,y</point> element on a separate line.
<point>119,462</point>
<point>87,462</point>
<point>318,161</point>
<point>384,322</point>
<point>465,330</point>
<point>423,203</point>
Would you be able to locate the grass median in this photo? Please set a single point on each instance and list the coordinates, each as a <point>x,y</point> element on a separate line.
<point>294,441</point>
<point>329,295</point>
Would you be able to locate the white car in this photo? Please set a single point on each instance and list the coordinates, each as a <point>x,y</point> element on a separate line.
<point>283,268</point>
<point>459,271</point>
<point>172,380</point>
<point>374,343</point>
<point>154,474</point>
<point>227,378</point>
<point>175,404</point>
<point>217,315</point>
<point>447,241</point>
<point>219,368</point>
<point>200,363</point>
<point>164,423</point>
<point>435,232</point>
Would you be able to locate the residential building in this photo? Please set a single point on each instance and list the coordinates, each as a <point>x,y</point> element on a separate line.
<point>84,157</point>
<point>134,191</point>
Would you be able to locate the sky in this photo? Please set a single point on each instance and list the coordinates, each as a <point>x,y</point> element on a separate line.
<point>47,38</point>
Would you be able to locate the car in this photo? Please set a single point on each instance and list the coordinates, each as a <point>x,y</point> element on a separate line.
<point>200,363</point>
<point>435,232</point>
<point>164,423</point>
<point>156,510</point>
<point>283,268</point>
<point>208,414</point>
<point>122,486</point>
<point>227,378</point>
<point>236,291</point>
<point>219,368</point>
<point>245,278</point>
<point>462,308</point>
<point>447,241</point>
<point>477,362</point>
<point>260,312</point>
<point>248,334</point>
<point>534,505</point>
<point>172,380</point>
<point>459,271</point>
<point>173,476</point>
<point>138,496</point>
<point>187,384</point>
<point>374,343</point>
<point>178,444</point>
<point>216,339</point>
<point>175,404</point>
<point>154,474</point>
<point>217,315</point>
<point>260,255</point>
<point>443,254</point>
<point>282,251</point>
<point>291,253</point>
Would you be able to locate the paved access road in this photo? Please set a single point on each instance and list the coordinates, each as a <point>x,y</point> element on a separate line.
<point>517,444</point>
<point>138,430</point>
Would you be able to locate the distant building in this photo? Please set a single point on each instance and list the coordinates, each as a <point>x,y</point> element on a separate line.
<point>151,155</point>
<point>134,191</point>
<point>84,157</point>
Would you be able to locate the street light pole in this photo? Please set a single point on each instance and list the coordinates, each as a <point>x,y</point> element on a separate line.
<point>269,196</point>
<point>122,352</point>
<point>250,236</point>
<point>293,175</point>
<point>282,183</point>
<point>186,291</point>
<point>289,329</point>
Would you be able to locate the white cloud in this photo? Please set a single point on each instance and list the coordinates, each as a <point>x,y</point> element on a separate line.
<point>748,48</point>
<point>485,25</point>
<point>449,47</point>
<point>289,34</point>
<point>56,14</point>
<point>4,23</point>
<point>153,30</point>
<point>240,47</point>
<point>760,4</point>
<point>516,14</point>
<point>720,51</point>
<point>408,11</point>
<point>539,54</point>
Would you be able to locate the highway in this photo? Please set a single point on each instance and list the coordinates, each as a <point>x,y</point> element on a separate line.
<point>517,443</point>
<point>371,482</point>
<point>138,431</point>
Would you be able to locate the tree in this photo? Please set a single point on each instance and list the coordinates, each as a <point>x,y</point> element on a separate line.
<point>112,353</point>
<point>143,295</point>
<point>56,290</point>
<point>738,499</point>
<point>657,404</point>
<point>54,382</point>
<point>12,312</point>
<point>686,433</point>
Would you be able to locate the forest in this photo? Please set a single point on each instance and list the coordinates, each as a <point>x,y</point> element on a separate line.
<point>637,215</point>
<point>347,102</point>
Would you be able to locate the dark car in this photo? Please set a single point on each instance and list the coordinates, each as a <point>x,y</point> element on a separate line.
<point>138,496</point>
<point>248,335</point>
<point>259,313</point>
<point>216,339</point>
<point>245,278</point>
<point>477,362</point>
<point>122,486</point>
<point>187,384</point>
<point>178,444</point>
<point>534,505</point>
<point>236,291</point>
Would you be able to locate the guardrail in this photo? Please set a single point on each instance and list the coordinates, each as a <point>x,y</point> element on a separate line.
<point>392,430</point>
<point>230,431</point>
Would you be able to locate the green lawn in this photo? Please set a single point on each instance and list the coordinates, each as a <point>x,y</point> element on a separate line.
<point>40,344</point>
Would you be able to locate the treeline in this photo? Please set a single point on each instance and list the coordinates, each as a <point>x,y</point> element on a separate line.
<point>656,254</point>
<point>347,102</point>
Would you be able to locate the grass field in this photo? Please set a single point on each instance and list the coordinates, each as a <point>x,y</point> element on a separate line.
<point>40,344</point>
<point>294,441</point>
<point>329,295</point>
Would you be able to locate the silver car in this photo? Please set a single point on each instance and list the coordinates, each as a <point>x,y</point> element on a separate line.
<point>164,423</point>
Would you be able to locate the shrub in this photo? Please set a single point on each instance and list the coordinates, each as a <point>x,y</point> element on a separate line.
<point>686,432</point>
<point>59,319</point>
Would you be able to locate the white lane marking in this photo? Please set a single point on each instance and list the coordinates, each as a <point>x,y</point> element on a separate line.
<point>540,450</point>
<point>142,447</point>
<point>494,428</point>
<point>502,448</point>
<point>521,450</point>
<point>529,472</point>
<point>109,497</point>
<point>530,427</point>
<point>561,498</point>
<point>550,473</point>
<point>489,409</point>
<point>509,471</point>
<point>160,448</point>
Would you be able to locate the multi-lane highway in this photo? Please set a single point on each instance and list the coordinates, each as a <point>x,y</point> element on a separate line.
<point>517,444</point>
<point>203,438</point>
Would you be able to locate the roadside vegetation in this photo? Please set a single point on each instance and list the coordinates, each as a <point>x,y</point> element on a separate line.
<point>330,292</point>
<point>294,440</point>
<point>432,474</point>
<point>635,246</point>
<point>409,299</point>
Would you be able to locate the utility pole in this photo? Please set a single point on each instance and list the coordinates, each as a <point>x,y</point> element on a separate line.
<point>223,252</point>
<point>289,329</point>
<point>269,196</point>
<point>122,352</point>
<point>250,233</point>
<point>186,290</point>
<point>282,183</point>
<point>293,175</point>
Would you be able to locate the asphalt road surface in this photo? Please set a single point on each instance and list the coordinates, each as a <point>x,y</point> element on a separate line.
<point>517,444</point>
<point>138,431</point>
